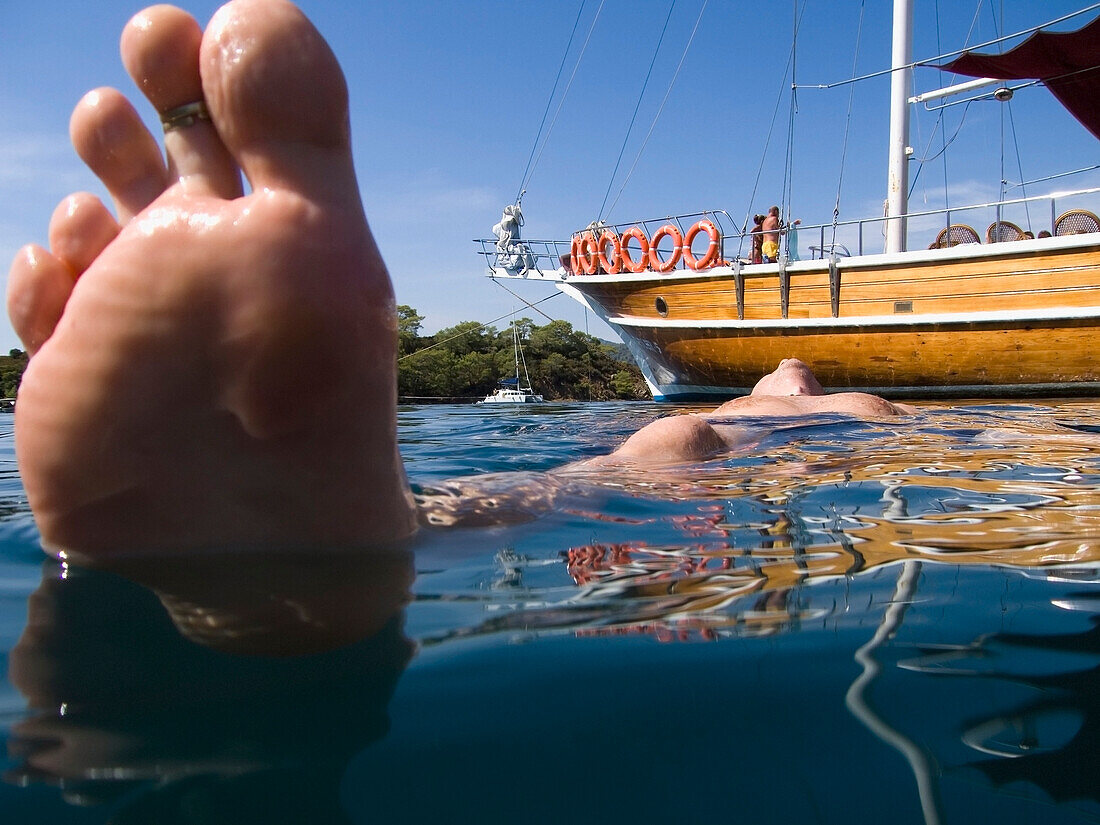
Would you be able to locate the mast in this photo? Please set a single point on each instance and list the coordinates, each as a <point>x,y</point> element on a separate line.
<point>897,187</point>
<point>515,347</point>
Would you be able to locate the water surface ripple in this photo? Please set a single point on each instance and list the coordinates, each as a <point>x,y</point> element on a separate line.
<point>843,621</point>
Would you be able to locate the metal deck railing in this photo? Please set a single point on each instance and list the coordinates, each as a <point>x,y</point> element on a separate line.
<point>843,238</point>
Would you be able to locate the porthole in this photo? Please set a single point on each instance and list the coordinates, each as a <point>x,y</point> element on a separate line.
<point>662,307</point>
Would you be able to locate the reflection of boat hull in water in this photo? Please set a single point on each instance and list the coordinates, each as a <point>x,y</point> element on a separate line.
<point>1008,316</point>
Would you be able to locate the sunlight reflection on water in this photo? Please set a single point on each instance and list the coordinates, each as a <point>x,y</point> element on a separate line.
<point>902,614</point>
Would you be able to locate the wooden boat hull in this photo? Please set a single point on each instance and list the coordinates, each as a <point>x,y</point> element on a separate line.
<point>963,358</point>
<point>998,319</point>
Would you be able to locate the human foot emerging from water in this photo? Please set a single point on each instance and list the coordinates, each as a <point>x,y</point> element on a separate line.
<point>212,369</point>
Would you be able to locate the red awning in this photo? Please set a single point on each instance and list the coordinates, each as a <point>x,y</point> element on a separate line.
<point>1068,63</point>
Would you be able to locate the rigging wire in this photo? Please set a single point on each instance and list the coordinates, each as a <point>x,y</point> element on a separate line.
<point>944,142</point>
<point>1019,167</point>
<point>1055,177</point>
<point>931,61</point>
<point>527,303</point>
<point>1037,82</point>
<point>1000,124</point>
<point>549,100</point>
<point>1007,110</point>
<point>938,123</point>
<point>767,144</point>
<point>787,196</point>
<point>565,93</point>
<point>481,327</point>
<point>847,123</point>
<point>661,108</point>
<point>637,106</point>
<point>941,126</point>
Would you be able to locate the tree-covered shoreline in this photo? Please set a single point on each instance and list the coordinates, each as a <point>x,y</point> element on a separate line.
<point>11,372</point>
<point>466,362</point>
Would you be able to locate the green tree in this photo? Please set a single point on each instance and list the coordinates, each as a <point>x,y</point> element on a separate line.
<point>408,329</point>
<point>11,372</point>
<point>629,385</point>
<point>426,374</point>
<point>469,336</point>
<point>467,360</point>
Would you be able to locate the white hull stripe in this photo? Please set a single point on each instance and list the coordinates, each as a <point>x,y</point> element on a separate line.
<point>918,319</point>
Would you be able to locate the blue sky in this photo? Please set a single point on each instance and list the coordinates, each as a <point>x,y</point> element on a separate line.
<point>446,100</point>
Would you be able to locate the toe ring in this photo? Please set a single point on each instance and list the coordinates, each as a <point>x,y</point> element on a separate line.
<point>185,115</point>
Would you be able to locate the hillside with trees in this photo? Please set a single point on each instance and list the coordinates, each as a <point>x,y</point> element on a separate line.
<point>466,361</point>
<point>11,372</point>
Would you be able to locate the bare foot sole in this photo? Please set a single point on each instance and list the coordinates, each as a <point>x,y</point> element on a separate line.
<point>211,368</point>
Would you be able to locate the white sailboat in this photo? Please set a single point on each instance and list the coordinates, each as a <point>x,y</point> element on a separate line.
<point>512,390</point>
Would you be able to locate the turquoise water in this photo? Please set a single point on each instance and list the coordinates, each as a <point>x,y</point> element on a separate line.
<point>844,622</point>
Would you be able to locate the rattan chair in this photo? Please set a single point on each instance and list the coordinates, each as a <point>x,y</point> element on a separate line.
<point>955,234</point>
<point>1001,231</point>
<point>1076,222</point>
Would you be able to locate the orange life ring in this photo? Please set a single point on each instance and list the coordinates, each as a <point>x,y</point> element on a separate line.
<point>588,253</point>
<point>629,263</point>
<point>711,255</point>
<point>655,261</point>
<point>614,264</point>
<point>575,255</point>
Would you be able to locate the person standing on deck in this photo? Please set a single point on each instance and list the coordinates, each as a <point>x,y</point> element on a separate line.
<point>757,233</point>
<point>770,227</point>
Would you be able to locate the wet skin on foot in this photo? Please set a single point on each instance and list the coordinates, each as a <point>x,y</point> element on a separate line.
<point>209,367</point>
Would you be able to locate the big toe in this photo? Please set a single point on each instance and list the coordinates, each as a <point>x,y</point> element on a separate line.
<point>277,95</point>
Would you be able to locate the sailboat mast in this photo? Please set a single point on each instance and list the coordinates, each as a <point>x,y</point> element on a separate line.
<point>897,192</point>
<point>515,348</point>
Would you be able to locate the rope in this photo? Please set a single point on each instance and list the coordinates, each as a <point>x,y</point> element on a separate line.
<point>1059,175</point>
<point>479,327</point>
<point>664,100</point>
<point>1000,125</point>
<point>944,142</point>
<point>788,167</point>
<point>931,61</point>
<point>939,127</point>
<point>549,100</point>
<point>947,141</point>
<point>568,86</point>
<point>637,106</point>
<point>1019,167</point>
<point>527,303</point>
<point>847,124</point>
<point>767,143</point>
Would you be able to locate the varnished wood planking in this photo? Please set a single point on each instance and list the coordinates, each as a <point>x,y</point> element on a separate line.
<point>1067,278</point>
<point>895,358</point>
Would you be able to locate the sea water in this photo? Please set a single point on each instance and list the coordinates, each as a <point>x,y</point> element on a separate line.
<point>842,621</point>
